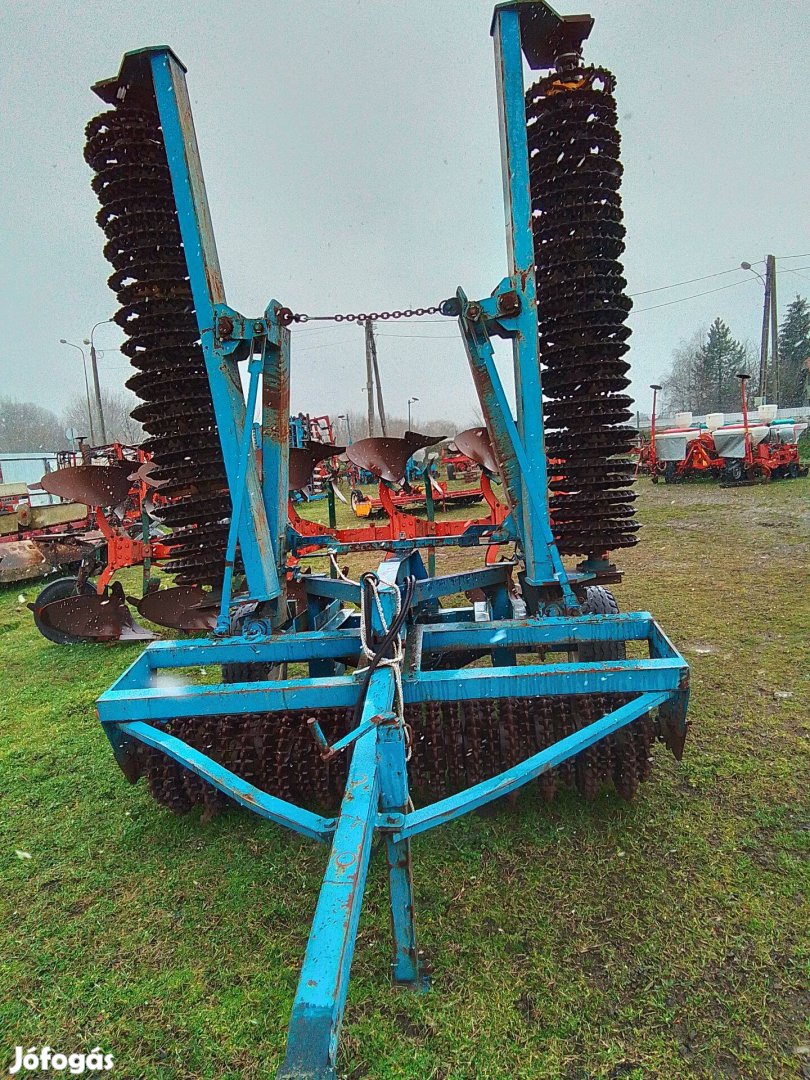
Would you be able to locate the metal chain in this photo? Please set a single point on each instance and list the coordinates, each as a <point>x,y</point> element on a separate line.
<point>286,316</point>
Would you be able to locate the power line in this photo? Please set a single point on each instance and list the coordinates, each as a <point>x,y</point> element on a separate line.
<point>691,281</point>
<point>805,256</point>
<point>423,337</point>
<point>323,345</point>
<point>694,296</point>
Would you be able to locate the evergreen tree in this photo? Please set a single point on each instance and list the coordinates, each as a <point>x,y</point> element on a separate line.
<point>721,358</point>
<point>703,375</point>
<point>794,355</point>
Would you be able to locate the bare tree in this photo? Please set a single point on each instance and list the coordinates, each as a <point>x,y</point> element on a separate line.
<point>702,376</point>
<point>25,426</point>
<point>117,405</point>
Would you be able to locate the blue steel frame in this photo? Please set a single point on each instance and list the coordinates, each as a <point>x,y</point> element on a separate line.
<point>327,635</point>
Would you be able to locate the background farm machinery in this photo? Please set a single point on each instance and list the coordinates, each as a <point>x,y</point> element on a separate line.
<point>119,492</point>
<point>418,486</point>
<point>74,534</point>
<point>754,450</point>
<point>348,709</point>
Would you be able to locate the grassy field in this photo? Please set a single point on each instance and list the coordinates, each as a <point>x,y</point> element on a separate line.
<point>669,938</point>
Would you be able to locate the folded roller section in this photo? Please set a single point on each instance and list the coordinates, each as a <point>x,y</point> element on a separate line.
<point>126,151</point>
<point>575,175</point>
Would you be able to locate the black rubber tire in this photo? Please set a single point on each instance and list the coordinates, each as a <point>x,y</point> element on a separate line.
<point>734,472</point>
<point>451,472</point>
<point>670,472</point>
<point>601,601</point>
<point>59,590</point>
<point>793,470</point>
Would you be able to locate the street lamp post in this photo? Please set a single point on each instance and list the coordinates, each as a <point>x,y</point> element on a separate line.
<point>63,341</point>
<point>344,416</point>
<point>410,399</point>
<point>97,388</point>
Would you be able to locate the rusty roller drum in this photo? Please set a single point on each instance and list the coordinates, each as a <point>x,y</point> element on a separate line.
<point>125,149</point>
<point>454,745</point>
<point>578,231</point>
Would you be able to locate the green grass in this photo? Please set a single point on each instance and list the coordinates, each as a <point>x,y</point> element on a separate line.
<point>668,938</point>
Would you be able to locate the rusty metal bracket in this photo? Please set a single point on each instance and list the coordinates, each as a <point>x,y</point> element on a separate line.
<point>327,752</point>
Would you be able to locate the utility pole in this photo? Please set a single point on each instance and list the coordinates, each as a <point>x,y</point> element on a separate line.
<point>94,364</point>
<point>372,377</point>
<point>370,348</point>
<point>97,391</point>
<point>771,267</point>
<point>769,326</point>
<point>762,385</point>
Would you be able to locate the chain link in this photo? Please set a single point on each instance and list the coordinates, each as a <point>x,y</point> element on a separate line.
<point>286,316</point>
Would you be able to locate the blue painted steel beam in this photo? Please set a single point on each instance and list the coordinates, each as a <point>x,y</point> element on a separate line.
<point>520,245</point>
<point>333,588</point>
<point>320,999</point>
<point>450,584</point>
<point>394,799</point>
<point>517,460</point>
<point>453,630</point>
<point>252,798</point>
<point>445,810</point>
<point>279,649</point>
<point>156,703</point>
<point>426,588</point>
<point>275,435</point>
<point>540,680</point>
<point>523,633</point>
<point>258,553</point>
<point>660,644</point>
<point>238,494</point>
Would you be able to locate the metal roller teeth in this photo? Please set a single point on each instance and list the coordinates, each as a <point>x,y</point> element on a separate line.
<point>454,745</point>
<point>586,415</point>
<point>125,149</point>
<point>575,175</point>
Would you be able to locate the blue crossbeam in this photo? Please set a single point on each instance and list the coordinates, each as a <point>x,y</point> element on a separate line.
<point>530,633</point>
<point>540,680</point>
<point>156,703</point>
<point>449,629</point>
<point>474,536</point>
<point>439,813</point>
<point>252,798</point>
<point>166,702</point>
<point>451,584</point>
<point>280,649</point>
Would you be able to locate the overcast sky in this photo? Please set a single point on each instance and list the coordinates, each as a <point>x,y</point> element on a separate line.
<point>350,150</point>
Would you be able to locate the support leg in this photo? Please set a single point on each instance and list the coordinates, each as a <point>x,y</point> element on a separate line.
<point>394,799</point>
